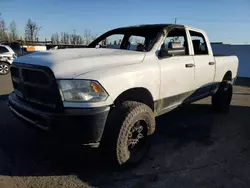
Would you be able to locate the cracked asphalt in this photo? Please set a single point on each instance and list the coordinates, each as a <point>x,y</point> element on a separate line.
<point>192,147</point>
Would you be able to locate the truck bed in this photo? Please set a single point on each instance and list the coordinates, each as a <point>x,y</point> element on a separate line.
<point>223,63</point>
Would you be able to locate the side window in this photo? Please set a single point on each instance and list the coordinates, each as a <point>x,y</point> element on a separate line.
<point>199,43</point>
<point>3,49</point>
<point>177,36</point>
<point>112,41</point>
<point>137,43</point>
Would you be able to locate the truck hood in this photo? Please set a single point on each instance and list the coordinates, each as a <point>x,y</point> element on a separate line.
<point>70,63</point>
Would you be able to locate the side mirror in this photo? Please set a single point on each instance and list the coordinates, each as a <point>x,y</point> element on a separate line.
<point>171,52</point>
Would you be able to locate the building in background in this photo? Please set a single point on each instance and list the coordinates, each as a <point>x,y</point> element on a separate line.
<point>242,51</point>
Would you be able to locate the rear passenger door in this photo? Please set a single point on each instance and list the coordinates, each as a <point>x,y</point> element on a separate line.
<point>204,62</point>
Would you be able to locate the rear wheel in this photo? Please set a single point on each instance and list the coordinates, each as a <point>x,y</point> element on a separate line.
<point>129,137</point>
<point>4,68</point>
<point>222,98</point>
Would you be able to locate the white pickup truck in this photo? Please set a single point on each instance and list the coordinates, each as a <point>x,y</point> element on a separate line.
<point>108,94</point>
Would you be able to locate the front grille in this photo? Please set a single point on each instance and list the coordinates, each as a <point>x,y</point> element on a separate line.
<point>15,72</point>
<point>35,84</point>
<point>34,76</point>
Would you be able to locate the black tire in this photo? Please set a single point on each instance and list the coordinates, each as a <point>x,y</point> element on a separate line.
<point>4,68</point>
<point>127,137</point>
<point>222,98</point>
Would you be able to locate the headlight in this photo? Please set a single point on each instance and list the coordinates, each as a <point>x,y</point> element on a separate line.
<point>81,91</point>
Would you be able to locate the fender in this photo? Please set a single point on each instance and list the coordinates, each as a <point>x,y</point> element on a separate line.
<point>116,80</point>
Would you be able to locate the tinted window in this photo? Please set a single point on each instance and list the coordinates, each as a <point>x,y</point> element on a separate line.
<point>112,41</point>
<point>199,43</point>
<point>137,43</point>
<point>179,36</point>
<point>3,49</point>
<point>149,33</point>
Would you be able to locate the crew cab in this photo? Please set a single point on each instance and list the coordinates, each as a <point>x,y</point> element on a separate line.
<point>108,94</point>
<point>7,55</point>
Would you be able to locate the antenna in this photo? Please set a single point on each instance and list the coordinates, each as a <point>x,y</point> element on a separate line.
<point>175,20</point>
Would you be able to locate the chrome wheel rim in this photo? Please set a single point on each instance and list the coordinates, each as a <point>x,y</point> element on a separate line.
<point>4,69</point>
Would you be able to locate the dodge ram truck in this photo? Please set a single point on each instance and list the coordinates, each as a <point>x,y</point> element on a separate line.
<point>108,94</point>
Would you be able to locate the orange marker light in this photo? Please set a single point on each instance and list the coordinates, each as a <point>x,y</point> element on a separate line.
<point>96,87</point>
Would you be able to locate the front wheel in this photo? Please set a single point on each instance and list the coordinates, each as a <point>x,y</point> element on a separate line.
<point>131,133</point>
<point>4,68</point>
<point>222,98</point>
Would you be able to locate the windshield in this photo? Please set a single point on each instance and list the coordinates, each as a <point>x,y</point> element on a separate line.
<point>139,39</point>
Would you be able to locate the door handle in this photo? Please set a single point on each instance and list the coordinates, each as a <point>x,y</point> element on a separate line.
<point>211,63</point>
<point>189,65</point>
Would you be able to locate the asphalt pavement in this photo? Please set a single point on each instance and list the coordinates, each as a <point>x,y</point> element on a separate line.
<point>192,147</point>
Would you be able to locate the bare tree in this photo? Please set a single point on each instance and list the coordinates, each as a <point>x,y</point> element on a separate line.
<point>76,39</point>
<point>31,30</point>
<point>93,37</point>
<point>55,38</point>
<point>13,34</point>
<point>52,38</point>
<point>3,31</point>
<point>65,38</point>
<point>79,39</point>
<point>87,36</point>
<point>72,39</point>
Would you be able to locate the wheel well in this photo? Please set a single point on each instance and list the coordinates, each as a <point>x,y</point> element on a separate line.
<point>228,76</point>
<point>5,62</point>
<point>136,94</point>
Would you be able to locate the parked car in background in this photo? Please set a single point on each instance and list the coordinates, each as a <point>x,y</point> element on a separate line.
<point>109,95</point>
<point>7,55</point>
<point>17,47</point>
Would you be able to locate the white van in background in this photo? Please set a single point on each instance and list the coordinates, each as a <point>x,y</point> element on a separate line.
<point>7,55</point>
